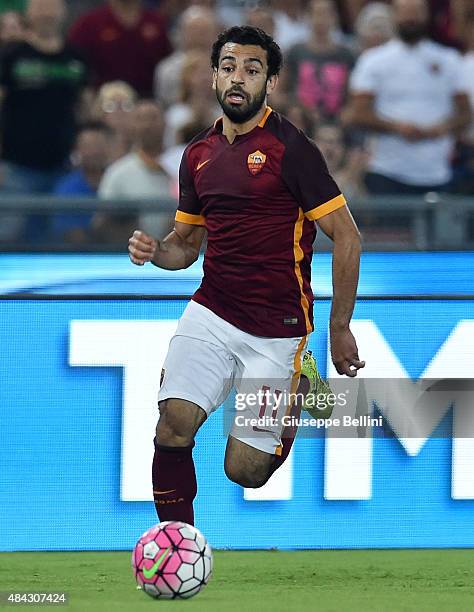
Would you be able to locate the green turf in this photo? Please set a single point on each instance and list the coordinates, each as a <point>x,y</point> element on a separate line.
<point>378,581</point>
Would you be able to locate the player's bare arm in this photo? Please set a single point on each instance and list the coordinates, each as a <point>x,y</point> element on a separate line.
<point>341,228</point>
<point>177,251</point>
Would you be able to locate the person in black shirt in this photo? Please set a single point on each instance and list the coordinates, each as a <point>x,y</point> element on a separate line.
<point>42,80</point>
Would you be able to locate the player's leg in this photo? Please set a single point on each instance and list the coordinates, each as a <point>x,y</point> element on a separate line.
<point>196,377</point>
<point>269,372</point>
<point>173,473</point>
<point>246,465</point>
<point>251,467</point>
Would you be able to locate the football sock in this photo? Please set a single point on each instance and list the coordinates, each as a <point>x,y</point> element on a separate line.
<point>289,433</point>
<point>174,483</point>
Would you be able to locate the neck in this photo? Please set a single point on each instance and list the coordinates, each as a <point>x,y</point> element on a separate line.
<point>51,41</point>
<point>149,155</point>
<point>127,12</point>
<point>231,129</point>
<point>292,11</point>
<point>411,43</point>
<point>93,177</point>
<point>322,42</point>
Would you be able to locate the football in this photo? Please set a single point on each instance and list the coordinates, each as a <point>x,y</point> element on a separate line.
<point>172,560</point>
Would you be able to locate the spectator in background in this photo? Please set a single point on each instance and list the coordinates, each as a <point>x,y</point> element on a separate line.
<point>299,116</point>
<point>137,175</point>
<point>114,106</point>
<point>346,165</point>
<point>445,19</point>
<point>12,28</point>
<point>170,160</point>
<point>90,158</point>
<point>198,100</point>
<point>122,41</point>
<point>464,169</point>
<point>291,24</point>
<point>317,72</point>
<point>42,79</point>
<point>263,18</point>
<point>374,26</point>
<point>197,30</point>
<point>410,93</point>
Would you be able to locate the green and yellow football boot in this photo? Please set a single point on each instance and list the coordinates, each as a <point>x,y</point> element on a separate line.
<point>315,401</point>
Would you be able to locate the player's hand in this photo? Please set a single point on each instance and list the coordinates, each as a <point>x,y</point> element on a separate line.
<point>344,353</point>
<point>141,248</point>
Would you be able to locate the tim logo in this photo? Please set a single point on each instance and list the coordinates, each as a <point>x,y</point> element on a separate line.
<point>256,161</point>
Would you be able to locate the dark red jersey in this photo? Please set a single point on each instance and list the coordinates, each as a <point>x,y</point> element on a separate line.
<point>258,199</point>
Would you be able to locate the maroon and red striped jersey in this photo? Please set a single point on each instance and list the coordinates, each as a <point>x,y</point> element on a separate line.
<point>258,199</point>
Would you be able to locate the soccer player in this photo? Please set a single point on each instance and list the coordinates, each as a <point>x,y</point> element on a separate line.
<point>257,185</point>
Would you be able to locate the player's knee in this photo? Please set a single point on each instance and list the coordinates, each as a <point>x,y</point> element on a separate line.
<point>177,424</point>
<point>250,478</point>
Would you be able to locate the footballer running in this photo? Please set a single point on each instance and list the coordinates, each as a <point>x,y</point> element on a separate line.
<point>257,186</point>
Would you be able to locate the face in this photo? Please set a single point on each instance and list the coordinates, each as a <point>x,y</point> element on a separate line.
<point>116,111</point>
<point>323,17</point>
<point>147,125</point>
<point>240,81</point>
<point>199,75</point>
<point>261,18</point>
<point>198,32</point>
<point>411,18</point>
<point>11,27</point>
<point>329,140</point>
<point>46,15</point>
<point>93,150</point>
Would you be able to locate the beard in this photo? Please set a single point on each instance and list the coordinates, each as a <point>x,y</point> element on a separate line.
<point>241,113</point>
<point>412,32</point>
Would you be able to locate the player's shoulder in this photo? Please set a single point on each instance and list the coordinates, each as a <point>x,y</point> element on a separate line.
<point>204,137</point>
<point>286,131</point>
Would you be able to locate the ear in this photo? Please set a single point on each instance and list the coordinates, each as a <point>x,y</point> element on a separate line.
<point>271,84</point>
<point>214,78</point>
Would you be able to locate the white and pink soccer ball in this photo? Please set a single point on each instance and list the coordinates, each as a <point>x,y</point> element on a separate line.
<point>172,560</point>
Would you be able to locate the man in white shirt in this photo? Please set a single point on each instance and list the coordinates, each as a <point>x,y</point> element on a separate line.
<point>410,93</point>
<point>138,175</point>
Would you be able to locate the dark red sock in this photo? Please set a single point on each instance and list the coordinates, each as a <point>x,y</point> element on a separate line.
<point>289,433</point>
<point>174,483</point>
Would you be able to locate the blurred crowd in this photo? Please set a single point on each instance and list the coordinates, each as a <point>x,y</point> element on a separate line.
<point>99,99</point>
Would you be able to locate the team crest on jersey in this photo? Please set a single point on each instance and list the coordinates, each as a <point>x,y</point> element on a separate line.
<point>256,161</point>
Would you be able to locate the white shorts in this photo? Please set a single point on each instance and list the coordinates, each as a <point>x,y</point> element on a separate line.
<point>208,356</point>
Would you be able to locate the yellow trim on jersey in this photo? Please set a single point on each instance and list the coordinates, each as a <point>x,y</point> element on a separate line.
<point>325,209</point>
<point>298,252</point>
<point>295,379</point>
<point>183,217</point>
<point>261,124</point>
<point>267,114</point>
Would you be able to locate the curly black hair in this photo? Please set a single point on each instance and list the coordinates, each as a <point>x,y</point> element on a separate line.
<point>248,35</point>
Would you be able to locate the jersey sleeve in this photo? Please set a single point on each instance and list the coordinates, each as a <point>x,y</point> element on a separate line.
<point>307,177</point>
<point>189,207</point>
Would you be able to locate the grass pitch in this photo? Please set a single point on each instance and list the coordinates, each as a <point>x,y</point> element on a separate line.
<point>329,580</point>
